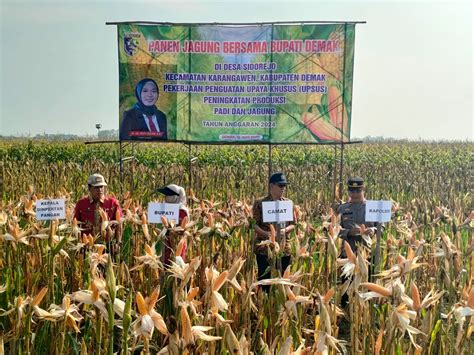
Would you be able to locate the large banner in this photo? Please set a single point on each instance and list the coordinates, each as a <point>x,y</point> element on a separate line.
<point>227,84</point>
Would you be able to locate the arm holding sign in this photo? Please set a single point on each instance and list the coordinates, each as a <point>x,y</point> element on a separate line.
<point>361,229</point>
<point>260,233</point>
<point>261,228</point>
<point>117,217</point>
<point>347,226</point>
<point>289,228</point>
<point>290,225</point>
<point>353,220</point>
<point>265,212</point>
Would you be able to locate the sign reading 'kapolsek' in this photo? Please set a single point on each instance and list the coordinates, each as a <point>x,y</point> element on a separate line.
<point>378,211</point>
<point>50,209</point>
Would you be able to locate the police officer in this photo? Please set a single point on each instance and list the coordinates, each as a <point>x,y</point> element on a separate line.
<point>352,218</point>
<point>353,215</point>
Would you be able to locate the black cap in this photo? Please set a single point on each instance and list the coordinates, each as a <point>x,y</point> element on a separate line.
<point>278,178</point>
<point>355,183</point>
<point>169,190</point>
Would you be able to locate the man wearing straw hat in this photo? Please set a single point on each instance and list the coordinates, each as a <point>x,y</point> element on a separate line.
<point>88,210</point>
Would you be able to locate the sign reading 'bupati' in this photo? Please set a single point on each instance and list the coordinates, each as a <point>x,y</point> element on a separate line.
<point>168,210</point>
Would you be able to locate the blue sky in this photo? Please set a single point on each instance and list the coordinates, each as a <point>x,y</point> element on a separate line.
<point>412,78</point>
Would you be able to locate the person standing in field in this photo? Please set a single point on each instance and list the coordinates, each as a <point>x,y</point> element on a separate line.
<point>96,208</point>
<point>174,194</point>
<point>353,215</point>
<point>353,222</point>
<point>277,187</point>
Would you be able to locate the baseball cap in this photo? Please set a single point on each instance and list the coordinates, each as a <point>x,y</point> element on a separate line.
<point>96,180</point>
<point>278,178</point>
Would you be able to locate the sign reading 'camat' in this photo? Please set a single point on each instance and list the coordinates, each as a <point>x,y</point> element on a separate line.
<point>277,211</point>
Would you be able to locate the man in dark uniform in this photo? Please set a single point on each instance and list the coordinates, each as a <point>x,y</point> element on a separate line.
<point>353,215</point>
<point>277,187</point>
<point>352,218</point>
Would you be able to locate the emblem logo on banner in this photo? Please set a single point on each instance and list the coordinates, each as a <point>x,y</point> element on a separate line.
<point>130,43</point>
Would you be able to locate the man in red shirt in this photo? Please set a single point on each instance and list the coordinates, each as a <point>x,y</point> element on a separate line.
<point>88,210</point>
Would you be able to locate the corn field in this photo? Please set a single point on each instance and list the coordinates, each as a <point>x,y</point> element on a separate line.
<point>63,293</point>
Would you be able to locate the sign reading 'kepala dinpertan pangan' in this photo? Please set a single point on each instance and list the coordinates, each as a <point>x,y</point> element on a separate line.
<point>50,209</point>
<point>216,83</point>
<point>277,211</point>
<point>168,210</point>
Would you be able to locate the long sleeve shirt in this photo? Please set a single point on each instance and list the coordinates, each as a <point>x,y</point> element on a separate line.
<point>258,216</point>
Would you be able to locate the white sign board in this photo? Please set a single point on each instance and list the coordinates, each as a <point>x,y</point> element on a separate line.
<point>168,210</point>
<point>277,211</point>
<point>378,211</point>
<point>50,209</point>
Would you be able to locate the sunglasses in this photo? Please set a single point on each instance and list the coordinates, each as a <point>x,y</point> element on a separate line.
<point>281,185</point>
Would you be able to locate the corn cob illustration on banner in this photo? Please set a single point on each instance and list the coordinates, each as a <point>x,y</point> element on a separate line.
<point>271,83</point>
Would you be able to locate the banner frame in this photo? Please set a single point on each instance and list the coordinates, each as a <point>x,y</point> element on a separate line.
<point>114,23</point>
<point>237,24</point>
<point>338,145</point>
